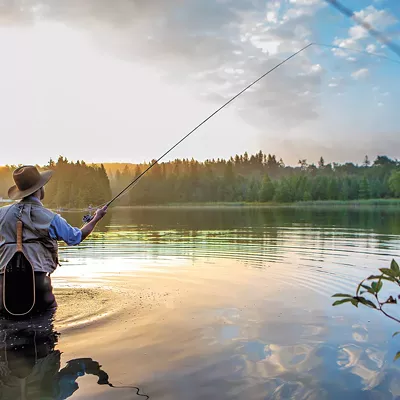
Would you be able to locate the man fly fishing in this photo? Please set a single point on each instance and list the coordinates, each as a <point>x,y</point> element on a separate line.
<point>28,244</point>
<point>29,232</point>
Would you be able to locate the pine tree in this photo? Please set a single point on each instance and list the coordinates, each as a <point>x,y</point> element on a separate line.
<point>267,190</point>
<point>363,191</point>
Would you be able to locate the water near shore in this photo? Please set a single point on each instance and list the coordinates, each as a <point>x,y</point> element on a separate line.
<point>215,304</point>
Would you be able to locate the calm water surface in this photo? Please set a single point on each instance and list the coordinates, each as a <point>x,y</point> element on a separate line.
<point>212,304</point>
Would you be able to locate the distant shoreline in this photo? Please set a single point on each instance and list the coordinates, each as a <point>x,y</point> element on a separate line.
<point>371,203</point>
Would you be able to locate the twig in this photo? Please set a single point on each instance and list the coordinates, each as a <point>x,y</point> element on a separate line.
<point>383,311</point>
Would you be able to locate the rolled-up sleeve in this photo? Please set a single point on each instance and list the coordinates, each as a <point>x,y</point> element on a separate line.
<point>60,229</point>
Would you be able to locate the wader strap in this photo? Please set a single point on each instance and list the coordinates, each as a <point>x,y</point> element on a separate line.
<point>19,229</point>
<point>19,236</point>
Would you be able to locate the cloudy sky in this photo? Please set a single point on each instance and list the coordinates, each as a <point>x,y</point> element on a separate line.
<point>123,80</point>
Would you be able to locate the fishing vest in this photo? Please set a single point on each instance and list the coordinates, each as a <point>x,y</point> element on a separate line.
<point>39,248</point>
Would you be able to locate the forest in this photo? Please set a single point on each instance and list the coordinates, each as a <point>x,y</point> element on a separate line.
<point>73,185</point>
<point>243,178</point>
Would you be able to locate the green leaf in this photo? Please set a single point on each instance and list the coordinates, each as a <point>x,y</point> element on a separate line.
<point>369,290</point>
<point>339,302</point>
<point>371,304</point>
<point>396,333</point>
<point>366,302</point>
<point>342,295</point>
<point>395,267</point>
<point>376,286</point>
<point>388,272</point>
<point>386,278</point>
<point>354,302</point>
<point>397,356</point>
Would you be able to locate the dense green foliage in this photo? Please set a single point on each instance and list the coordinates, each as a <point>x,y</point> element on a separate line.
<point>258,178</point>
<point>244,178</point>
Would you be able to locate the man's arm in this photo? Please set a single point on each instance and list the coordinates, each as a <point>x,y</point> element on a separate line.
<point>60,229</point>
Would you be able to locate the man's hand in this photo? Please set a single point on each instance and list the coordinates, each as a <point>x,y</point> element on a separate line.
<point>88,228</point>
<point>100,213</point>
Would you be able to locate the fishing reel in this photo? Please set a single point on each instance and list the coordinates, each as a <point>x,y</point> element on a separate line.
<point>87,218</point>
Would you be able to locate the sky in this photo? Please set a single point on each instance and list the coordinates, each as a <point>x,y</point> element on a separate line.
<point>123,80</point>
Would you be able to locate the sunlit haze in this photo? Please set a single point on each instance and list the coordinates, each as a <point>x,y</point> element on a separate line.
<point>123,80</point>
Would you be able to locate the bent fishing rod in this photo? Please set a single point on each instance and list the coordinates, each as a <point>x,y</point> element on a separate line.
<point>89,217</point>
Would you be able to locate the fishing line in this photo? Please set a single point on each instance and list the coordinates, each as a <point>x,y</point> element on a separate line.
<point>368,53</point>
<point>89,217</point>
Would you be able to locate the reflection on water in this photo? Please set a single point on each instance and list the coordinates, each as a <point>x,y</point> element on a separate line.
<point>30,365</point>
<point>215,304</point>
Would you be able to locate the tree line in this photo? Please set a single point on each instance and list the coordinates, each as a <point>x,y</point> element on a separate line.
<point>243,178</point>
<point>73,185</point>
<point>258,178</point>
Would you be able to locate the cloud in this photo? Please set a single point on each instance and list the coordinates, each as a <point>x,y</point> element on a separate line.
<point>316,68</point>
<point>357,32</point>
<point>336,82</point>
<point>357,37</point>
<point>212,46</point>
<point>378,19</point>
<point>362,73</point>
<point>272,17</point>
<point>210,49</point>
<point>306,2</point>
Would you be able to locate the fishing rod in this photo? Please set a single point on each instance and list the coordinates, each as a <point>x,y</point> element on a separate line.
<point>208,118</point>
<point>87,218</point>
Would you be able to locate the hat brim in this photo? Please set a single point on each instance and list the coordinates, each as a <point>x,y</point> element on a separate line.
<point>15,194</point>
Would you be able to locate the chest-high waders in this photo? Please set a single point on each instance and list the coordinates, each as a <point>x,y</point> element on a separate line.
<point>19,279</point>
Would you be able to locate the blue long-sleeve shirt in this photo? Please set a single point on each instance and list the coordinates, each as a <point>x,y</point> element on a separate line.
<point>60,229</point>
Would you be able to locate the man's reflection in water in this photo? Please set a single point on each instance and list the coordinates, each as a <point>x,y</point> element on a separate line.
<point>30,365</point>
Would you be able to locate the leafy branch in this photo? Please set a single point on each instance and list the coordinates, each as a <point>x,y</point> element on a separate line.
<point>372,287</point>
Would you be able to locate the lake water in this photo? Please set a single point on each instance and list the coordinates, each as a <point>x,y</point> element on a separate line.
<point>227,303</point>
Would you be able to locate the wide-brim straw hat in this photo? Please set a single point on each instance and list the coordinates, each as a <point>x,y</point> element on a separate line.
<point>27,181</point>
